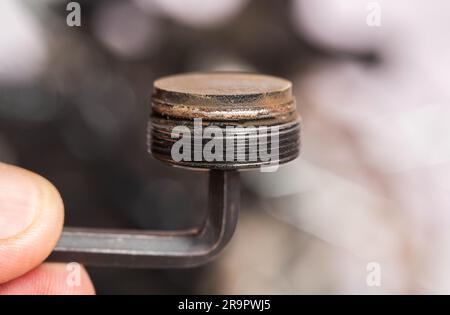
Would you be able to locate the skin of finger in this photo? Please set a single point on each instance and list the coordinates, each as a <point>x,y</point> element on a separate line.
<point>50,279</point>
<point>27,250</point>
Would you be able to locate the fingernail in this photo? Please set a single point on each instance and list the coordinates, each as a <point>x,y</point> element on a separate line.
<point>18,200</point>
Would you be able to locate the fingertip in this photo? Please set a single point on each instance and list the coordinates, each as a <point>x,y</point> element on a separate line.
<point>32,214</point>
<point>51,279</point>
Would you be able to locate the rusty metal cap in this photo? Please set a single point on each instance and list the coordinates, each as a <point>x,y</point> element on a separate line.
<point>222,96</point>
<point>225,99</point>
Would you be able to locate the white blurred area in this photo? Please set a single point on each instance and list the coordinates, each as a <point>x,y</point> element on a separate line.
<point>373,181</point>
<point>136,34</point>
<point>197,13</point>
<point>23,53</point>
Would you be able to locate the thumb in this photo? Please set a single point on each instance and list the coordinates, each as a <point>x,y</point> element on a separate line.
<point>31,219</point>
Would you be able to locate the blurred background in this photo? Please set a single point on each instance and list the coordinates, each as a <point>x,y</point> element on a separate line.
<point>371,79</point>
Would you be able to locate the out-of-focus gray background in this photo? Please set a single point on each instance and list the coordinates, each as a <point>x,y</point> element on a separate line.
<point>372,187</point>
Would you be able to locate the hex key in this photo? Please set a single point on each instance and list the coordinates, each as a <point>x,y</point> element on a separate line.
<point>159,249</point>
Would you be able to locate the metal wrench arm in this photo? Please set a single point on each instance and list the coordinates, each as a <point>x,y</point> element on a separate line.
<point>159,249</point>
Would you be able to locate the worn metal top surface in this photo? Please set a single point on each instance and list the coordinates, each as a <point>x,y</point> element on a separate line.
<point>222,96</point>
<point>222,83</point>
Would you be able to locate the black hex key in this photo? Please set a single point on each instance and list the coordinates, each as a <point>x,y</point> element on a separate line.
<point>255,109</point>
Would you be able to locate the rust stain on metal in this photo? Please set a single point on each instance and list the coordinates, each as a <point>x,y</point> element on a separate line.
<point>224,99</point>
<point>222,95</point>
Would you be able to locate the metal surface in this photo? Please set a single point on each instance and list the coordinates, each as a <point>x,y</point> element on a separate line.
<point>223,96</point>
<point>159,249</point>
<point>227,101</point>
<point>221,100</point>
